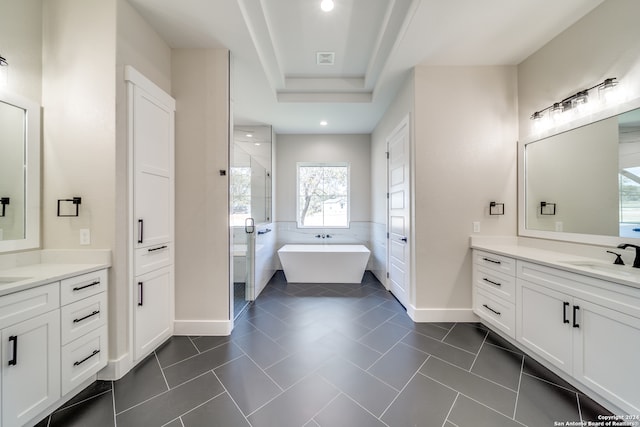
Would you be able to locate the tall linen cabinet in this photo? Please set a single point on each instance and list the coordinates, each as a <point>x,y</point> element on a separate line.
<point>150,127</point>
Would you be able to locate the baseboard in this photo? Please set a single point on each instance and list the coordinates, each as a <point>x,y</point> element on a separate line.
<point>202,327</point>
<point>423,315</point>
<point>116,368</point>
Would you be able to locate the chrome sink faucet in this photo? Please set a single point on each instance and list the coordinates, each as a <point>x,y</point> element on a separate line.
<point>636,261</point>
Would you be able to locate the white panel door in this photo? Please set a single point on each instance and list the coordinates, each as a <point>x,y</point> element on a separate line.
<point>398,256</point>
<point>153,136</point>
<point>153,311</point>
<point>30,368</point>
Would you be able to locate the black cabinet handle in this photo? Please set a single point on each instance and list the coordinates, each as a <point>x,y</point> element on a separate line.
<point>404,239</point>
<point>14,357</point>
<point>491,281</point>
<point>79,288</point>
<point>140,231</point>
<point>575,317</point>
<point>491,309</point>
<point>86,317</point>
<point>157,249</point>
<point>491,260</point>
<point>565,305</point>
<point>140,293</point>
<point>80,362</point>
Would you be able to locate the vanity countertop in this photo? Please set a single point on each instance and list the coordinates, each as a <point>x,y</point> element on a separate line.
<point>30,276</point>
<point>599,269</point>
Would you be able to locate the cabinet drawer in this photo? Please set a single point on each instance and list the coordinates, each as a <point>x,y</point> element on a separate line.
<point>495,282</point>
<point>495,311</point>
<point>153,258</point>
<point>495,262</point>
<point>79,287</point>
<point>84,357</point>
<point>25,304</point>
<point>83,316</point>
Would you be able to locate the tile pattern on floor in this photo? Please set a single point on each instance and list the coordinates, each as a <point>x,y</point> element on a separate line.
<point>332,355</point>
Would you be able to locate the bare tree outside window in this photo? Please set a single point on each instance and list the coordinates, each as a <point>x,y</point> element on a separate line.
<point>323,195</point>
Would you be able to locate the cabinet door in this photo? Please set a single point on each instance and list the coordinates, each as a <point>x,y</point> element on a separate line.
<point>30,368</point>
<point>606,346</point>
<point>153,157</point>
<point>153,310</point>
<point>544,323</point>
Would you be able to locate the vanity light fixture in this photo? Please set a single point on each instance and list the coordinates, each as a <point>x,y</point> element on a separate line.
<point>326,5</point>
<point>579,98</point>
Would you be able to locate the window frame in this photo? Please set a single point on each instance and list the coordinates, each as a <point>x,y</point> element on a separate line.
<point>323,164</point>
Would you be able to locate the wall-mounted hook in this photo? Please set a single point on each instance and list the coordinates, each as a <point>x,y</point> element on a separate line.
<point>4,201</point>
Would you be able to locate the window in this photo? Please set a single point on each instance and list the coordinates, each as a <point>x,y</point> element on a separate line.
<point>240,195</point>
<point>323,195</point>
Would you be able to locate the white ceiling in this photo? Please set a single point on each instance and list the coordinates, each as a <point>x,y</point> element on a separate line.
<point>273,43</point>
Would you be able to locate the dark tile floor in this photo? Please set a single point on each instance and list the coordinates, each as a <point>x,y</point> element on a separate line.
<point>332,355</point>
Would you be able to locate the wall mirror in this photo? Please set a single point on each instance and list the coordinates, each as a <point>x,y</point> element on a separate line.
<point>251,175</point>
<point>19,173</point>
<point>583,184</point>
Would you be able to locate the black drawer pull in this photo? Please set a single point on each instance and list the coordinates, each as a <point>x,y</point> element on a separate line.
<point>86,317</point>
<point>491,281</point>
<point>79,288</point>
<point>157,249</point>
<point>564,312</point>
<point>491,309</point>
<point>491,260</point>
<point>14,358</point>
<point>575,317</point>
<point>140,293</point>
<point>80,362</point>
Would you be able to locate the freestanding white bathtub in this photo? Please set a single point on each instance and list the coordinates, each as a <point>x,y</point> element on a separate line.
<point>324,263</point>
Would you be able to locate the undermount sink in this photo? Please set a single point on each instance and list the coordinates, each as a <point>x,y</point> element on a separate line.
<point>604,268</point>
<point>4,280</point>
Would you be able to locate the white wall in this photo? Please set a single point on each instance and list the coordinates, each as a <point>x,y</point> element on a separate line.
<point>465,157</point>
<point>354,149</point>
<point>200,86</point>
<point>21,46</point>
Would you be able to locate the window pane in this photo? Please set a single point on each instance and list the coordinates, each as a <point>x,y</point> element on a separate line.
<point>323,196</point>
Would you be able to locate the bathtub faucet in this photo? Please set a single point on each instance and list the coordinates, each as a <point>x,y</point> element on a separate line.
<point>323,236</point>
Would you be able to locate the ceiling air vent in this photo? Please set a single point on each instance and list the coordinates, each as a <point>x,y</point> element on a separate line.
<point>325,58</point>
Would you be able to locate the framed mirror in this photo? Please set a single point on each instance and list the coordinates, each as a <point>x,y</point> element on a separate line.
<point>19,173</point>
<point>582,183</point>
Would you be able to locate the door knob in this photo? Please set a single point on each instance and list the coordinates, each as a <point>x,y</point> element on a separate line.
<point>404,239</point>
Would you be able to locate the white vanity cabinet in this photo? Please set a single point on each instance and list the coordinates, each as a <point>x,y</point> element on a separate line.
<point>587,327</point>
<point>494,283</point>
<point>84,336</point>
<point>584,326</point>
<point>54,339</point>
<point>30,374</point>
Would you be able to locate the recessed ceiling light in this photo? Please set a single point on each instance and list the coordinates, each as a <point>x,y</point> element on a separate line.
<point>326,5</point>
<point>323,123</point>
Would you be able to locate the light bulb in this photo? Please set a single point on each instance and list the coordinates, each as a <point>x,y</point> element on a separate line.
<point>326,5</point>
